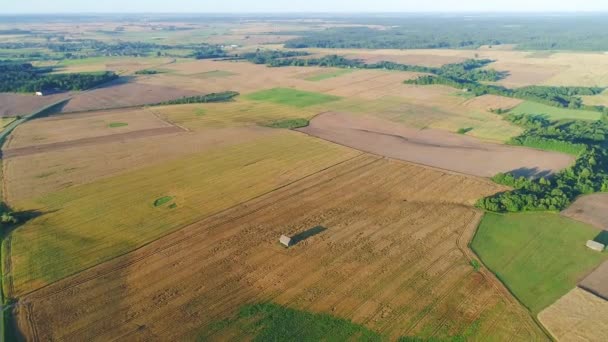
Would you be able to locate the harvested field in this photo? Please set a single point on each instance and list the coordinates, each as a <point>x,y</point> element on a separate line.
<point>238,113</point>
<point>433,147</point>
<point>20,104</point>
<point>393,258</point>
<point>492,102</point>
<point>31,176</point>
<point>596,100</point>
<point>67,238</point>
<point>592,209</point>
<point>70,127</point>
<point>124,95</point>
<point>97,140</point>
<point>597,281</point>
<point>522,74</point>
<point>577,316</point>
<point>120,65</point>
<point>430,60</point>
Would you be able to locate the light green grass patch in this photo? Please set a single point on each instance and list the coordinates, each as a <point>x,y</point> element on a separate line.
<point>538,256</point>
<point>117,124</point>
<point>292,97</point>
<point>214,74</point>
<point>330,74</point>
<point>288,123</point>
<point>555,113</point>
<point>272,322</point>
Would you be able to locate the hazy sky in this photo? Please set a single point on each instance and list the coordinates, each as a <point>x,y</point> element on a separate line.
<point>193,6</point>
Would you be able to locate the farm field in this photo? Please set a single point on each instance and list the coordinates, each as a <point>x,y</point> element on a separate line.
<point>415,252</point>
<point>596,100</point>
<point>66,238</point>
<point>129,94</point>
<point>433,147</point>
<point>33,175</point>
<point>577,316</point>
<point>592,209</point>
<point>123,219</point>
<point>70,127</point>
<point>291,97</point>
<point>12,105</point>
<point>597,281</point>
<point>526,251</point>
<point>554,113</point>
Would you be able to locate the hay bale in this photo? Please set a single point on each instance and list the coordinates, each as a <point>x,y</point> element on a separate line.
<point>285,240</point>
<point>596,246</point>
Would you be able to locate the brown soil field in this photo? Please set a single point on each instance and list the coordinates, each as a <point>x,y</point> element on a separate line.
<point>393,257</point>
<point>125,95</point>
<point>492,102</point>
<point>434,147</point>
<point>592,209</point>
<point>34,175</point>
<point>597,281</point>
<point>577,316</point>
<point>68,127</point>
<point>430,60</point>
<point>20,104</point>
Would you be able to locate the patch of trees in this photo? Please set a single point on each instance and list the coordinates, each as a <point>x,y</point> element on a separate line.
<point>23,77</point>
<point>574,32</point>
<point>213,97</point>
<point>564,97</point>
<point>147,72</point>
<point>209,51</point>
<point>588,174</point>
<point>270,56</point>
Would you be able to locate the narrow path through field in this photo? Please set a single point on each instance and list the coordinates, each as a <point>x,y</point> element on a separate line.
<point>435,148</point>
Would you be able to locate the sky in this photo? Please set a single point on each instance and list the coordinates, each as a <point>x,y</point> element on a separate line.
<point>266,6</point>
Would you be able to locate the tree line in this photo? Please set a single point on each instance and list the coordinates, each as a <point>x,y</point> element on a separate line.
<point>589,173</point>
<point>564,97</point>
<point>24,77</point>
<point>208,98</point>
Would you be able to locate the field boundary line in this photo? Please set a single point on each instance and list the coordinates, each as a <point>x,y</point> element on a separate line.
<point>245,202</point>
<point>494,280</point>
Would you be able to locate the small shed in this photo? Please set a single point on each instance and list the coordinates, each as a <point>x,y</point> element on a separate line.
<point>39,93</point>
<point>285,240</point>
<point>596,246</point>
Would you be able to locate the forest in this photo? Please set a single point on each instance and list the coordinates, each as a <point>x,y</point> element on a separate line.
<point>24,77</point>
<point>213,97</point>
<point>530,32</point>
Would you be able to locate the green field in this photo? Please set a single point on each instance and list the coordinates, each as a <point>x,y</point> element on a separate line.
<point>272,322</point>
<point>538,256</point>
<point>327,75</point>
<point>555,113</point>
<point>292,97</point>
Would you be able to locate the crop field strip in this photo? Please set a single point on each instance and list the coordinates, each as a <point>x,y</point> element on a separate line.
<point>241,241</point>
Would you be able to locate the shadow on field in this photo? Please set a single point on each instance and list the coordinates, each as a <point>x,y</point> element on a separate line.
<point>306,234</point>
<point>602,237</point>
<point>530,172</point>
